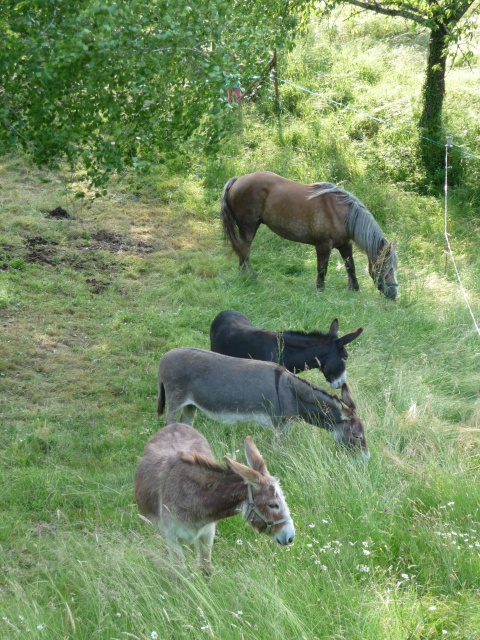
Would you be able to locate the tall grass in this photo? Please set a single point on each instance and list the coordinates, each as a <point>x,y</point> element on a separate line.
<point>390,550</point>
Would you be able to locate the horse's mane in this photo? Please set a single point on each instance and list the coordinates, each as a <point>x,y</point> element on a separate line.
<point>360,223</point>
<point>204,462</point>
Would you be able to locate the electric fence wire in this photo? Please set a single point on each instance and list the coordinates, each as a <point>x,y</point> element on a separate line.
<point>448,146</point>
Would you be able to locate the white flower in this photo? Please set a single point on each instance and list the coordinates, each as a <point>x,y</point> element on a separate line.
<point>311,525</point>
<point>41,626</point>
<point>362,568</point>
<point>432,608</point>
<point>154,635</point>
<point>366,552</point>
<point>404,576</point>
<point>444,632</point>
<point>365,544</point>
<point>450,504</point>
<point>325,521</point>
<point>239,542</point>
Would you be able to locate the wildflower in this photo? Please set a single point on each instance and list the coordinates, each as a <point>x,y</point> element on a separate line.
<point>450,504</point>
<point>325,521</point>
<point>154,635</point>
<point>404,576</point>
<point>309,545</point>
<point>239,613</point>
<point>41,626</point>
<point>444,632</point>
<point>366,552</point>
<point>432,608</point>
<point>312,526</point>
<point>362,568</point>
<point>365,544</point>
<point>118,614</point>
<point>239,542</point>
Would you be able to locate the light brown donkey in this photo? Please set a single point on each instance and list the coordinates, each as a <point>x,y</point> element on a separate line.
<point>182,489</point>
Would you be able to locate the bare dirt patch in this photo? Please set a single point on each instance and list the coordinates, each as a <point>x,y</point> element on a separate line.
<point>41,251</point>
<point>58,213</point>
<point>117,243</point>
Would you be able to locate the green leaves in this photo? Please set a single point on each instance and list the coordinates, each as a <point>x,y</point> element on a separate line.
<point>109,82</point>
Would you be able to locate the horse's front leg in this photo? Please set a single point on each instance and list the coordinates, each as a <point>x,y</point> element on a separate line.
<point>346,251</point>
<point>323,256</point>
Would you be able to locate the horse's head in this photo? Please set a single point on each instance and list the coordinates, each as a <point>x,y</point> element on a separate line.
<point>350,431</point>
<point>383,269</point>
<point>265,510</point>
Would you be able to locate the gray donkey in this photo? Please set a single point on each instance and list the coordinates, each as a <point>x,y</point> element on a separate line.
<point>233,390</point>
<point>181,488</point>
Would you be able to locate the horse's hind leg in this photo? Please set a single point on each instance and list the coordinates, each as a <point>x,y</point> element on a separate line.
<point>247,234</point>
<point>346,251</point>
<point>323,256</point>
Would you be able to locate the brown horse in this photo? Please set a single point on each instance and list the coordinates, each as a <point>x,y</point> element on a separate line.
<point>321,214</point>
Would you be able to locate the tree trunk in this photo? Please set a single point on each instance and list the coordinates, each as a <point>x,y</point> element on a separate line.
<point>433,94</point>
<point>434,86</point>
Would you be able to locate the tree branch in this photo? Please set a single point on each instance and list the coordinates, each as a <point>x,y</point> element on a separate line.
<point>409,12</point>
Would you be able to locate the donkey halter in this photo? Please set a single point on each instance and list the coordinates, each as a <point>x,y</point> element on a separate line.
<point>253,509</point>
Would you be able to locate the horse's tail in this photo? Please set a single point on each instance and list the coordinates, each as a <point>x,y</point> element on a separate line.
<point>161,398</point>
<point>229,222</point>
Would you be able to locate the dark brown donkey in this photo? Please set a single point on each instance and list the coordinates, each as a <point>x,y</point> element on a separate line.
<point>233,334</point>
<point>182,489</point>
<point>321,214</point>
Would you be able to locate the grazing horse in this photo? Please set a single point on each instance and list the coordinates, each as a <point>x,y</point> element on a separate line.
<point>182,489</point>
<point>233,334</point>
<point>234,390</point>
<point>321,214</point>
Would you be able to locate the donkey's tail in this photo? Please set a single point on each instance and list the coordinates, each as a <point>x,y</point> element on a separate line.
<point>229,222</point>
<point>161,398</point>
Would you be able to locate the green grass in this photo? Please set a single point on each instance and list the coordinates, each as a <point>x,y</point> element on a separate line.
<point>89,304</point>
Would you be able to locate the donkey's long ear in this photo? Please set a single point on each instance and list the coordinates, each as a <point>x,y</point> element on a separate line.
<point>254,457</point>
<point>250,476</point>
<point>347,398</point>
<point>349,337</point>
<point>333,331</point>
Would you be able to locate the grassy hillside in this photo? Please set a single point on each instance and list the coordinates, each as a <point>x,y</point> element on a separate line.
<point>90,302</point>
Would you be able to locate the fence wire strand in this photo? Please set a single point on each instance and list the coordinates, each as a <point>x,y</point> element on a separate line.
<point>448,146</point>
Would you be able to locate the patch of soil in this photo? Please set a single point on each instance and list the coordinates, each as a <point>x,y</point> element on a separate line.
<point>115,242</point>
<point>41,251</point>
<point>97,286</point>
<point>42,255</point>
<point>33,241</point>
<point>58,213</point>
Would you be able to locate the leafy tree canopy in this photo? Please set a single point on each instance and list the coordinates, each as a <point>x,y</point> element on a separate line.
<point>114,84</point>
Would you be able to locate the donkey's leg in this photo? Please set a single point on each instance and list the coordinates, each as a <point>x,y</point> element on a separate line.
<point>323,255</point>
<point>346,251</point>
<point>203,547</point>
